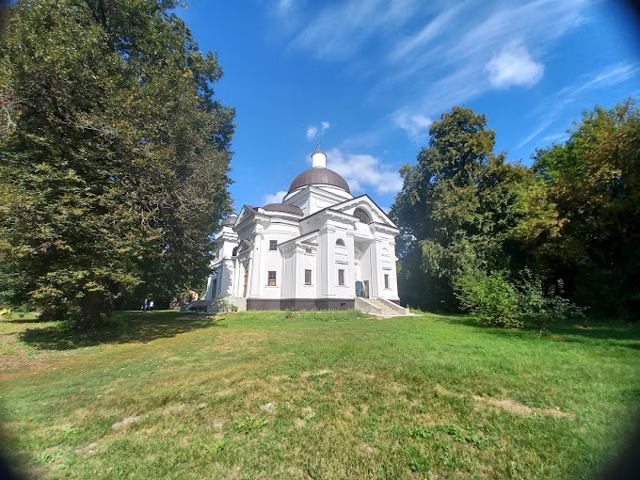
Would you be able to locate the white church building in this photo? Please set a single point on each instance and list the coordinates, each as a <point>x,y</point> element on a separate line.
<point>320,248</point>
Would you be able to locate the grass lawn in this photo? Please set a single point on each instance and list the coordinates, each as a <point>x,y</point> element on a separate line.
<point>314,395</point>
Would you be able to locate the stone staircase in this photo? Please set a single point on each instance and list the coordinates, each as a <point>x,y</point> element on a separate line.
<point>381,307</point>
<point>198,306</point>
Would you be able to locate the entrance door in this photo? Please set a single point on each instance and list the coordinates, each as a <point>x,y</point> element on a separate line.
<point>366,288</point>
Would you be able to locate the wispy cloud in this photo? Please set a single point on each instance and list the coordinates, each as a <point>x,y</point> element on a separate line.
<point>364,172</point>
<point>430,57</point>
<point>425,36</point>
<point>284,7</point>
<point>416,125</point>
<point>314,131</point>
<point>609,77</point>
<point>514,66</point>
<point>422,58</point>
<point>339,31</point>
<point>554,107</point>
<point>273,198</point>
<point>488,38</point>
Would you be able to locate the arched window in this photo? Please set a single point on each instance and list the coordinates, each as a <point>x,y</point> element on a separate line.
<point>235,252</point>
<point>361,215</point>
<point>340,242</point>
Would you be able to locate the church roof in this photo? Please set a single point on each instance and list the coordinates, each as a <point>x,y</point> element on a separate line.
<point>319,176</point>
<point>229,221</point>
<point>283,207</point>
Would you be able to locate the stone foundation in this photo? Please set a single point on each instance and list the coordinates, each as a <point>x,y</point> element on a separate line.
<point>300,303</point>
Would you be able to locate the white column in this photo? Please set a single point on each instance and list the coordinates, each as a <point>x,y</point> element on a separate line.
<point>258,278</point>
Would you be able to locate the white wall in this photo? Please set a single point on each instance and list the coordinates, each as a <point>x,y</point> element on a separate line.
<point>324,261</point>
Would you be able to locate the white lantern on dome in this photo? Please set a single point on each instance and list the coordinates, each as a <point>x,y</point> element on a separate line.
<point>319,159</point>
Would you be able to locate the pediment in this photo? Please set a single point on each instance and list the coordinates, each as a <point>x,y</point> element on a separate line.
<point>245,245</point>
<point>308,239</point>
<point>245,214</point>
<point>369,206</point>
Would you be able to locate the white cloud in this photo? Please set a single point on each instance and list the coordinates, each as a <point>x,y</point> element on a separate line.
<point>542,125</point>
<point>275,198</point>
<point>555,138</point>
<point>314,131</point>
<point>416,125</point>
<point>514,66</point>
<point>610,76</point>
<point>339,31</point>
<point>284,6</point>
<point>421,58</point>
<point>552,109</point>
<point>363,172</point>
<point>432,30</point>
<point>442,58</point>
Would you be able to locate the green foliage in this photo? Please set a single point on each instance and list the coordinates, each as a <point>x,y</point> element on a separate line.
<point>224,305</point>
<point>583,213</point>
<point>215,447</point>
<point>498,302</point>
<point>115,154</point>
<point>456,433</point>
<point>249,425</point>
<point>539,305</point>
<point>574,215</point>
<point>491,297</point>
<point>455,206</point>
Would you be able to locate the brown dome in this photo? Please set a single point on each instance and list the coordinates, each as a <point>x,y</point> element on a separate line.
<point>229,221</point>
<point>319,176</point>
<point>282,207</point>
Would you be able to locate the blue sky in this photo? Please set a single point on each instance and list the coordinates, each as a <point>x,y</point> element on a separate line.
<point>367,77</point>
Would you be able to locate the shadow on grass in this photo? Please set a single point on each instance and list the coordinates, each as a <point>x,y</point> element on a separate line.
<point>122,327</point>
<point>459,319</point>
<point>618,333</point>
<point>23,320</point>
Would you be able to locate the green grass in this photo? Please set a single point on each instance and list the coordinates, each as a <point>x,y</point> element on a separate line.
<point>314,395</point>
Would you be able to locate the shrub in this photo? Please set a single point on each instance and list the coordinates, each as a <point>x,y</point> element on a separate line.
<point>497,302</point>
<point>540,305</point>
<point>224,305</point>
<point>491,297</point>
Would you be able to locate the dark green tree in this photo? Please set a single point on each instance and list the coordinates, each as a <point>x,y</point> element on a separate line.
<point>114,154</point>
<point>582,215</point>
<point>455,207</point>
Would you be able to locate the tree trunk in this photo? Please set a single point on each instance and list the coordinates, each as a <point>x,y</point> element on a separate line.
<point>93,306</point>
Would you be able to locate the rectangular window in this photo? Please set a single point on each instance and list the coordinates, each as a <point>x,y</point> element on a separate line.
<point>307,277</point>
<point>272,278</point>
<point>340,276</point>
<point>273,244</point>
<point>386,280</point>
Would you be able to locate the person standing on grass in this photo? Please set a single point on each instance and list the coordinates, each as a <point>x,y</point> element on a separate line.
<point>150,305</point>
<point>145,305</point>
